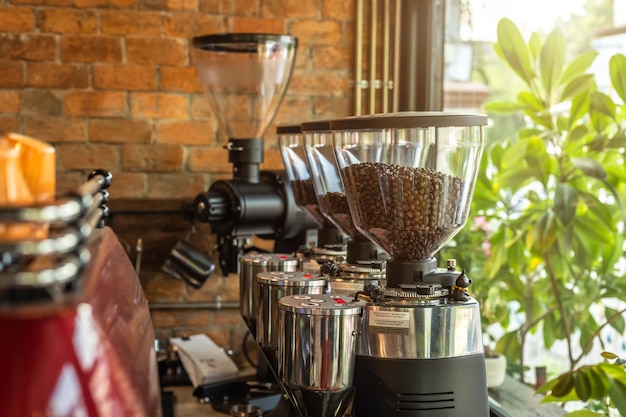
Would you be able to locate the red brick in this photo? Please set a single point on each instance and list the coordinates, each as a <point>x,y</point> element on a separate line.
<point>304,58</point>
<point>243,7</point>
<point>181,4</point>
<point>56,129</point>
<point>159,105</point>
<point>75,48</point>
<point>95,103</point>
<point>120,131</point>
<point>128,185</point>
<point>49,75</point>
<point>126,22</point>
<point>49,3</point>
<point>338,10</point>
<point>186,133</point>
<point>117,4</point>
<point>334,107</point>
<point>200,107</point>
<point>28,46</point>
<point>272,160</point>
<point>319,83</point>
<point>179,185</point>
<point>205,24</point>
<point>152,158</point>
<point>9,101</point>
<point>86,156</point>
<point>294,9</point>
<point>157,51</point>
<point>67,21</point>
<point>16,19</point>
<point>256,25</point>
<point>68,181</point>
<point>9,123</point>
<point>41,102</point>
<point>11,74</point>
<point>208,159</point>
<point>317,32</point>
<point>125,77</point>
<point>294,109</point>
<point>333,57</point>
<point>212,6</point>
<point>178,25</point>
<point>180,79</point>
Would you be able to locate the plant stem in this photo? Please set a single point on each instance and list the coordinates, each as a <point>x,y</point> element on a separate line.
<point>561,305</point>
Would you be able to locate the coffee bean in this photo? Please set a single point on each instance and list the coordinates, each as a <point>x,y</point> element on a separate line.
<point>409,212</point>
<point>304,194</point>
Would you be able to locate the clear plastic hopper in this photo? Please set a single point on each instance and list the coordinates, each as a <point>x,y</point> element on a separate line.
<point>245,76</point>
<point>291,142</point>
<point>409,177</point>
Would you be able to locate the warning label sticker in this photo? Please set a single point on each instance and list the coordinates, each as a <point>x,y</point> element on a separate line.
<point>391,319</point>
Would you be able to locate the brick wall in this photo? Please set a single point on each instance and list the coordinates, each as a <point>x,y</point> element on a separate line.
<point>111,83</point>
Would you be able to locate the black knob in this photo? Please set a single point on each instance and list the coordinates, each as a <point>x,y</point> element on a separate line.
<point>211,207</point>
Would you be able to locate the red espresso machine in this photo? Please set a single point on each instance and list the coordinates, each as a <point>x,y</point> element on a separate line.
<point>75,329</point>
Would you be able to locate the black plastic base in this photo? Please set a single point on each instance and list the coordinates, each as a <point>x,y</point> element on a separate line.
<point>450,387</point>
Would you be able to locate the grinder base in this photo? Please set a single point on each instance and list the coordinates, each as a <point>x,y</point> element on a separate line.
<point>445,387</point>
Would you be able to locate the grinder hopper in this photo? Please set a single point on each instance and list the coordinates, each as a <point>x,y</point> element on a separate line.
<point>245,76</point>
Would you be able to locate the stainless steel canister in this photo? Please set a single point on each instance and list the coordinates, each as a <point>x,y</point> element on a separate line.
<point>317,352</point>
<point>274,285</point>
<point>251,265</point>
<point>317,343</point>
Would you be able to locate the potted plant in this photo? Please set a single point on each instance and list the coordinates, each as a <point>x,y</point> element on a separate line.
<point>548,236</point>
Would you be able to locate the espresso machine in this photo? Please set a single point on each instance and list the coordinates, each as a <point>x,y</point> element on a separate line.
<point>409,179</point>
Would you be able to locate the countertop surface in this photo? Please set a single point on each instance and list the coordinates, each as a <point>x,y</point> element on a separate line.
<point>516,399</point>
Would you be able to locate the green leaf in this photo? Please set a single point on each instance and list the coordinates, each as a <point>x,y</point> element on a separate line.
<point>543,233</point>
<point>584,413</point>
<point>509,345</point>
<point>513,48</point>
<point>530,101</point>
<point>603,104</point>
<point>578,66</point>
<point>580,107</point>
<point>552,59</point>
<point>565,203</point>
<point>618,141</point>
<point>617,322</point>
<point>534,45</point>
<point>579,85</point>
<point>590,167</point>
<point>499,107</point>
<point>617,393</point>
<point>617,71</point>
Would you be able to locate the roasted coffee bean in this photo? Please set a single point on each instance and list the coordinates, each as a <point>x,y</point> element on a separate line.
<point>304,194</point>
<point>335,205</point>
<point>409,212</point>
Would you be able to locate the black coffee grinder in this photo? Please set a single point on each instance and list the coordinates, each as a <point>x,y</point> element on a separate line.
<point>409,179</point>
<point>245,76</point>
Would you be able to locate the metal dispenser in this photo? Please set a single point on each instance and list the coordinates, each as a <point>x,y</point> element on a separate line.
<point>409,179</point>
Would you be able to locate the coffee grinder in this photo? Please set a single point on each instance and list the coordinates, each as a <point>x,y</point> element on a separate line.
<point>363,268</point>
<point>409,179</point>
<point>245,76</point>
<point>330,245</point>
